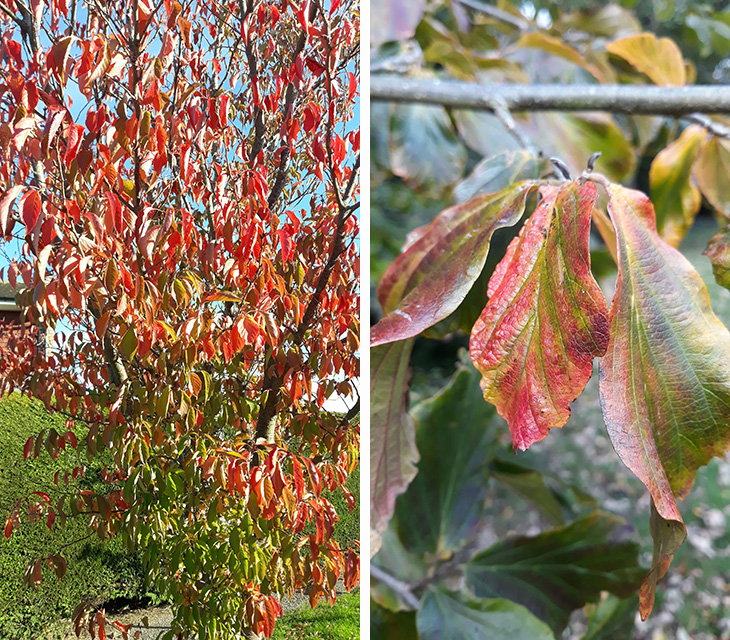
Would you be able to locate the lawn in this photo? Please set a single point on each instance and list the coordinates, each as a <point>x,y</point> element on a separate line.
<point>339,622</point>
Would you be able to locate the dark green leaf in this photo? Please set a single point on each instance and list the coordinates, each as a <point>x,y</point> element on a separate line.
<point>559,570</point>
<point>444,615</point>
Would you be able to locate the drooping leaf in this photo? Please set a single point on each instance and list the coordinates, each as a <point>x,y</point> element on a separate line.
<point>530,484</point>
<point>444,503</point>
<point>718,251</point>
<point>425,150</point>
<point>658,58</point>
<point>446,615</point>
<point>393,453</point>
<point>560,570</point>
<point>665,378</point>
<point>432,276</point>
<point>675,196</point>
<point>546,318</point>
<point>612,619</point>
<point>712,170</point>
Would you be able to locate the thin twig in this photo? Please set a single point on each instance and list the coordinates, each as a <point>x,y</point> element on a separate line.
<point>400,587</point>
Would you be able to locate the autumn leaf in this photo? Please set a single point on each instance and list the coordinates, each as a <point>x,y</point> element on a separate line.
<point>674,193</point>
<point>432,276</point>
<point>658,58</point>
<point>393,453</point>
<point>546,318</point>
<point>711,171</point>
<point>665,378</point>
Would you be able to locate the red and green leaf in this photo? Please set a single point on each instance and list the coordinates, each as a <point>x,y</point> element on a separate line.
<point>393,452</point>
<point>431,278</point>
<point>546,318</point>
<point>665,378</point>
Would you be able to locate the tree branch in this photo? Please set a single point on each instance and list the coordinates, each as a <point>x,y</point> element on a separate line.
<point>400,587</point>
<point>630,99</point>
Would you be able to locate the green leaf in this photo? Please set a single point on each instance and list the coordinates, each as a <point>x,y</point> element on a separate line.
<point>128,345</point>
<point>676,198</point>
<point>546,318</point>
<point>425,150</point>
<point>445,615</point>
<point>559,570</point>
<point>391,625</point>
<point>444,503</point>
<point>393,453</point>
<point>572,138</point>
<point>530,484</point>
<point>665,379</point>
<point>612,619</point>
<point>436,271</point>
<point>499,172</point>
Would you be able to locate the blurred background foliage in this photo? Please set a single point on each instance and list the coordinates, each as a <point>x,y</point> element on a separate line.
<point>471,495</point>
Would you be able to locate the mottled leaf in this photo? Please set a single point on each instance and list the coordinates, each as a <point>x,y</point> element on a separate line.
<point>546,318</point>
<point>665,378</point>
<point>432,276</point>
<point>712,171</point>
<point>559,570</point>
<point>530,484</point>
<point>718,251</point>
<point>425,150</point>
<point>675,196</point>
<point>444,503</point>
<point>658,58</point>
<point>445,615</point>
<point>393,453</point>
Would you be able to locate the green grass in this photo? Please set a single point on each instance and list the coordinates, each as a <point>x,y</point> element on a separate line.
<point>339,622</point>
<point>97,570</point>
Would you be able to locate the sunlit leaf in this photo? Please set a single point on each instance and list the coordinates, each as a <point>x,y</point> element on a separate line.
<point>546,318</point>
<point>433,275</point>
<point>658,58</point>
<point>560,570</point>
<point>393,453</point>
<point>446,615</point>
<point>675,196</point>
<point>665,378</point>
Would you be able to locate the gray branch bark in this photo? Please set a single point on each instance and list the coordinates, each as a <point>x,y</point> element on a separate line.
<point>629,99</point>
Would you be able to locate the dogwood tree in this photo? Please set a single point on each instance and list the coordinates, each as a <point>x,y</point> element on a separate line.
<point>180,184</point>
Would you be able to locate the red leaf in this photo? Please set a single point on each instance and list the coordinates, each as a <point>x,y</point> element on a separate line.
<point>30,205</point>
<point>5,204</point>
<point>431,278</point>
<point>28,448</point>
<point>8,527</point>
<point>546,318</point>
